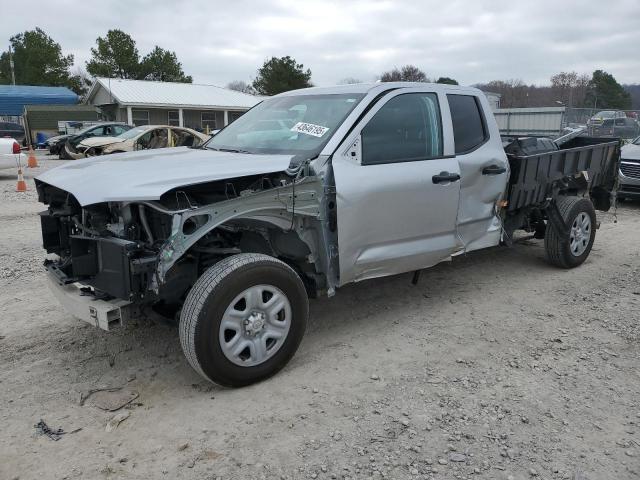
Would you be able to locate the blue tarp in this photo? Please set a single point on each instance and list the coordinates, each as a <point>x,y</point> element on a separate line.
<point>13,98</point>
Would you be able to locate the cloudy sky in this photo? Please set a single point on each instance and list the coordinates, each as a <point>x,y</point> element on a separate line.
<point>470,40</point>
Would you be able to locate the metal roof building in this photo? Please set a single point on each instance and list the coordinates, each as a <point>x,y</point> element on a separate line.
<point>141,102</point>
<point>13,98</point>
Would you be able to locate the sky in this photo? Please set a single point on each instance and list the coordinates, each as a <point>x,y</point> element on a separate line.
<point>473,41</point>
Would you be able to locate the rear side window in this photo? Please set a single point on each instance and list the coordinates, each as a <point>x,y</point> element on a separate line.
<point>407,128</point>
<point>469,129</point>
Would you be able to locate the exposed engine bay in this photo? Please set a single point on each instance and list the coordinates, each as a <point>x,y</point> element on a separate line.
<point>151,252</point>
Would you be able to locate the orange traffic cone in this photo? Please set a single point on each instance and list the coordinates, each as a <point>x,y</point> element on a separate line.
<point>22,185</point>
<point>32,162</point>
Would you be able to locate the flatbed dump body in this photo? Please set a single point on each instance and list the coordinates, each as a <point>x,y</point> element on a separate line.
<point>534,177</point>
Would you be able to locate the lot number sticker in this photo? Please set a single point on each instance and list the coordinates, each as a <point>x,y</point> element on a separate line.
<point>309,129</point>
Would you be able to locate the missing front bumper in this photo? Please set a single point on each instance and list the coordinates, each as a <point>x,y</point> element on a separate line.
<point>104,314</point>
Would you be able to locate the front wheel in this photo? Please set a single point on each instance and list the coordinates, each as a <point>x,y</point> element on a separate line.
<point>568,249</point>
<point>243,319</point>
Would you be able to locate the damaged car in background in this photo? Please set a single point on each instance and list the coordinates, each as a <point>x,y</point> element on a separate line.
<point>307,192</point>
<point>65,145</point>
<point>147,137</point>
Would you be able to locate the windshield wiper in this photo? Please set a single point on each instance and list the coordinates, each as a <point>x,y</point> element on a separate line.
<point>230,150</point>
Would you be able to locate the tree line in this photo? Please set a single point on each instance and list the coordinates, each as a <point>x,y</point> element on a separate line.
<point>600,90</point>
<point>569,89</point>
<point>39,60</point>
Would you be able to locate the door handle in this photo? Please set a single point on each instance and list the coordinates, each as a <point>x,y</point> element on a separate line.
<point>493,170</point>
<point>443,177</point>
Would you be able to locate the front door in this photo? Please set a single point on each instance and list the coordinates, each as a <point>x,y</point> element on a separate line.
<point>397,189</point>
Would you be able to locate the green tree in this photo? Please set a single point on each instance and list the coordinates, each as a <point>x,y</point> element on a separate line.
<point>447,81</point>
<point>162,65</point>
<point>605,92</point>
<point>38,60</point>
<point>115,55</point>
<point>279,75</point>
<point>408,73</point>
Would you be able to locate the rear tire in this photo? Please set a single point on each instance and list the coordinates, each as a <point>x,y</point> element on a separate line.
<point>234,336</point>
<point>570,249</point>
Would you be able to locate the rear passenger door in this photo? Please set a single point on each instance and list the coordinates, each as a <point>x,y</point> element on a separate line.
<point>484,169</point>
<point>397,188</point>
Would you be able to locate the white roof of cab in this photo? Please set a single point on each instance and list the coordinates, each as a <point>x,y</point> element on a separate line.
<point>172,94</point>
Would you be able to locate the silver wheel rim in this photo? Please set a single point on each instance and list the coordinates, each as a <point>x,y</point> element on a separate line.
<point>580,234</point>
<point>255,325</point>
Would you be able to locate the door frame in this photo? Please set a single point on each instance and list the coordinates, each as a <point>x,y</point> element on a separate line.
<point>349,150</point>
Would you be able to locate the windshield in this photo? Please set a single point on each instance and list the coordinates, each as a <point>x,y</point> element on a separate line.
<point>636,141</point>
<point>605,114</point>
<point>134,132</point>
<point>87,129</point>
<point>295,125</point>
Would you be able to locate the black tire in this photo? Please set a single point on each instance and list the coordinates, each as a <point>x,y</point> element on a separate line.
<point>213,293</point>
<point>558,244</point>
<point>62,153</point>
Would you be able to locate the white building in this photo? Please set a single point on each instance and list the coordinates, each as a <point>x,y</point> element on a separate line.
<point>141,102</point>
<point>494,99</point>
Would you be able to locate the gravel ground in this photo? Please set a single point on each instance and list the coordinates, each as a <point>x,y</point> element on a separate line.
<point>495,366</point>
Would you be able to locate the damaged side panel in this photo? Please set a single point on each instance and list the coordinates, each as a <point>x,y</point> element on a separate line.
<point>287,207</point>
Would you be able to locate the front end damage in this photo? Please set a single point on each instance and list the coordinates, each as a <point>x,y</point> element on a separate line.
<point>150,253</point>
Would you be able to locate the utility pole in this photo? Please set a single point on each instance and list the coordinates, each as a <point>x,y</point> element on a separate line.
<point>13,73</point>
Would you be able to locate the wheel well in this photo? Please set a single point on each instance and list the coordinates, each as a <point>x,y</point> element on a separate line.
<point>255,236</point>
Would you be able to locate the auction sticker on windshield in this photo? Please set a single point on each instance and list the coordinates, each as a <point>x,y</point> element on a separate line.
<point>309,129</point>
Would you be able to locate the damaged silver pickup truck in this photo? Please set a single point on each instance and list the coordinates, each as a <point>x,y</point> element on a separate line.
<point>308,191</point>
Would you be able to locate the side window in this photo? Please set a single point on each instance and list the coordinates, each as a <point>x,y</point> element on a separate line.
<point>140,117</point>
<point>184,139</point>
<point>173,118</point>
<point>208,120</point>
<point>159,138</point>
<point>407,128</point>
<point>118,130</point>
<point>143,141</point>
<point>94,132</point>
<point>469,130</point>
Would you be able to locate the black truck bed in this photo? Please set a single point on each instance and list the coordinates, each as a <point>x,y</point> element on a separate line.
<point>535,177</point>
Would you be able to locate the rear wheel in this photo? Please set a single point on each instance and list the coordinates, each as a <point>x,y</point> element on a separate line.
<point>243,319</point>
<point>568,249</point>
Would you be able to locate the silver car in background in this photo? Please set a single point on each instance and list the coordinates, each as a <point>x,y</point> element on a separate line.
<point>629,177</point>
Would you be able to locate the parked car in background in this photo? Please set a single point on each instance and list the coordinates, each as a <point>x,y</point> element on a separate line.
<point>629,177</point>
<point>10,155</point>
<point>600,117</point>
<point>623,127</point>
<point>145,137</point>
<point>64,144</point>
<point>15,131</point>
